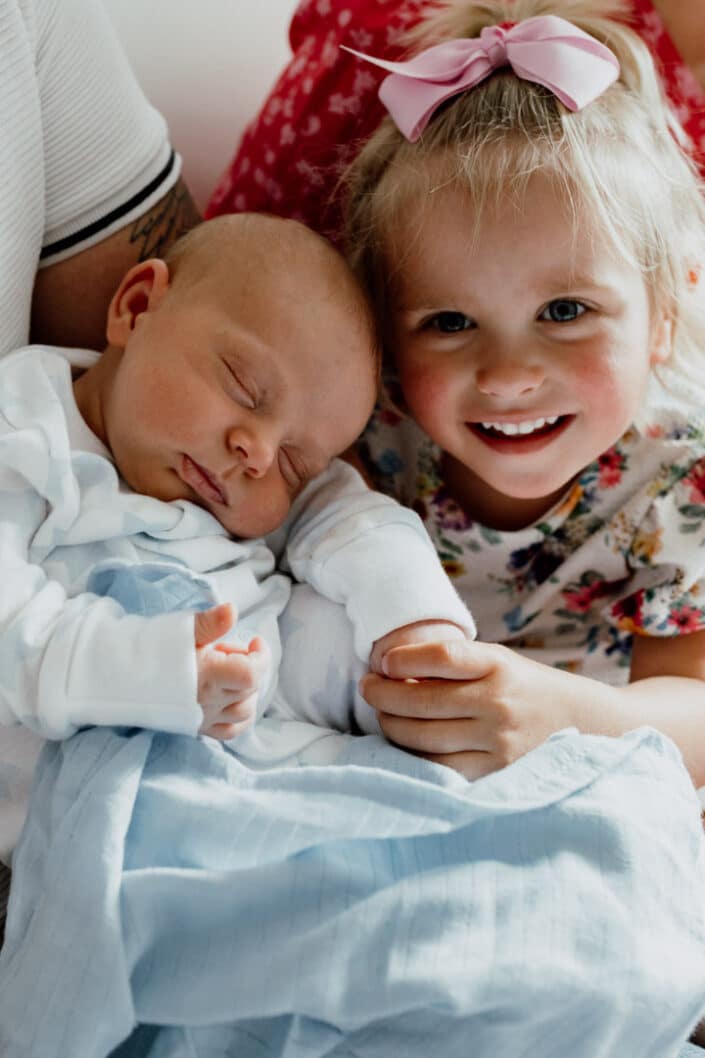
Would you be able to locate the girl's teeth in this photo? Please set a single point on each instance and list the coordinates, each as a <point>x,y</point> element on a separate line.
<point>510,429</point>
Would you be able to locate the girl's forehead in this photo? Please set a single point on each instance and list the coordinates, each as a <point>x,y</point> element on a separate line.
<point>533,246</point>
<point>450,221</point>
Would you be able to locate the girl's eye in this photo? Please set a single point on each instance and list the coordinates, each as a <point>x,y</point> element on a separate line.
<point>450,322</point>
<point>562,310</point>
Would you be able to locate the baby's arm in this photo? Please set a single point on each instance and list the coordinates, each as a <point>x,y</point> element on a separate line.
<point>363,550</point>
<point>70,662</point>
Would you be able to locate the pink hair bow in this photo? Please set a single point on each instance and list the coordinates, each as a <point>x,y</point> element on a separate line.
<point>546,49</point>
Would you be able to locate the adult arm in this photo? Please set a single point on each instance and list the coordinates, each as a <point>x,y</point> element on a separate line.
<point>112,192</point>
<point>71,298</point>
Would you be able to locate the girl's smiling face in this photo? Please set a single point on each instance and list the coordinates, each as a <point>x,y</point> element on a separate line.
<point>523,346</point>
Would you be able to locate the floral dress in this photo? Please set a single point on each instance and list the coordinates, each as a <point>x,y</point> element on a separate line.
<point>621,554</point>
<point>325,104</point>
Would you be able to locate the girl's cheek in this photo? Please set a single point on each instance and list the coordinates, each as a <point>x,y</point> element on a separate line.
<point>427,389</point>
<point>595,381</point>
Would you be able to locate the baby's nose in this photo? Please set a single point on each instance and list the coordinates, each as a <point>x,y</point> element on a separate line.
<point>255,451</point>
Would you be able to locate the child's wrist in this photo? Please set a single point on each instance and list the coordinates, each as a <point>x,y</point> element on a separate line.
<point>601,709</point>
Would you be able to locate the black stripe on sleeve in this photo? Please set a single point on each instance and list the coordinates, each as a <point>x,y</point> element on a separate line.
<point>105,222</point>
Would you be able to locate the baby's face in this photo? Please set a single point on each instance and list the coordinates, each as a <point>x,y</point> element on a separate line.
<point>236,400</point>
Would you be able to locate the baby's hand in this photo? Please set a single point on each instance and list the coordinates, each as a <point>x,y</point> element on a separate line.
<point>228,676</point>
<point>419,632</point>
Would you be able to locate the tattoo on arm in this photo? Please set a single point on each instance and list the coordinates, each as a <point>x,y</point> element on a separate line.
<point>172,217</point>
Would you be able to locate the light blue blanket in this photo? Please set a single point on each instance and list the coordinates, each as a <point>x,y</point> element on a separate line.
<point>377,908</point>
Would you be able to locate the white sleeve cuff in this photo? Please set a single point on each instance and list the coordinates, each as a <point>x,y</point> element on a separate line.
<point>115,668</point>
<point>362,549</point>
<point>392,593</point>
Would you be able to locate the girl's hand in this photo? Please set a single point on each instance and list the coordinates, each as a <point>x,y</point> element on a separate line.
<point>420,632</point>
<point>228,676</point>
<point>477,707</point>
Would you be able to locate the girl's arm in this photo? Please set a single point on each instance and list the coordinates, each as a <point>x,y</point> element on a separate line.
<point>480,706</point>
<point>667,691</point>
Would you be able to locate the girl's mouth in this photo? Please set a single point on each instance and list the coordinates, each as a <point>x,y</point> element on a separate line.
<point>525,436</point>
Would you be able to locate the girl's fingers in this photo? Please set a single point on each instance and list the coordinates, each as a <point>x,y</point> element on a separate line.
<point>472,764</point>
<point>456,659</point>
<point>440,738</point>
<point>431,699</point>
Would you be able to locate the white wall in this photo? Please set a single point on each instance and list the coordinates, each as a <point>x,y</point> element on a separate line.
<point>207,65</point>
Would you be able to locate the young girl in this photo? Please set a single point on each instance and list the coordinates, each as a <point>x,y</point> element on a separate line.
<point>532,235</point>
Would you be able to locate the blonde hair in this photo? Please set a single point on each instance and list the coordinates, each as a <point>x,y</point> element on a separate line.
<point>619,161</point>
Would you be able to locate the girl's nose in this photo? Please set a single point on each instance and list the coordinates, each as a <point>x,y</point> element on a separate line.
<point>254,450</point>
<point>508,379</point>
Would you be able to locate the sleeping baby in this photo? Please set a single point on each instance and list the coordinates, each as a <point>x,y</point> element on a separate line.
<point>138,489</point>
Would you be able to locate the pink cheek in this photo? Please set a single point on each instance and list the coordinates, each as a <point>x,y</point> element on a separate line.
<point>426,389</point>
<point>608,399</point>
<point>596,390</point>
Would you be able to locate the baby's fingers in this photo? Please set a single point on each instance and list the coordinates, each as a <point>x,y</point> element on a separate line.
<point>237,674</point>
<point>226,732</point>
<point>209,625</point>
<point>259,655</point>
<point>231,721</point>
<point>225,677</point>
<point>256,654</point>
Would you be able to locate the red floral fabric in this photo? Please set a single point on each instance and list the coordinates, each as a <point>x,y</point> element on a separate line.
<point>325,104</point>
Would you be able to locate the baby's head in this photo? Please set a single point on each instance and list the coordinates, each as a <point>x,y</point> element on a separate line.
<point>236,369</point>
<point>511,208</point>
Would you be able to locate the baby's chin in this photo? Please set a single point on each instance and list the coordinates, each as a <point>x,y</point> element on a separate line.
<point>239,521</point>
<point>248,527</point>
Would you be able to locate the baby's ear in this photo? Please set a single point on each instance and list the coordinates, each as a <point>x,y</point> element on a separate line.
<point>141,290</point>
<point>661,338</point>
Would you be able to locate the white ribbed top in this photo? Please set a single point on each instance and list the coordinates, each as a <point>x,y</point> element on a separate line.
<point>82,153</point>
